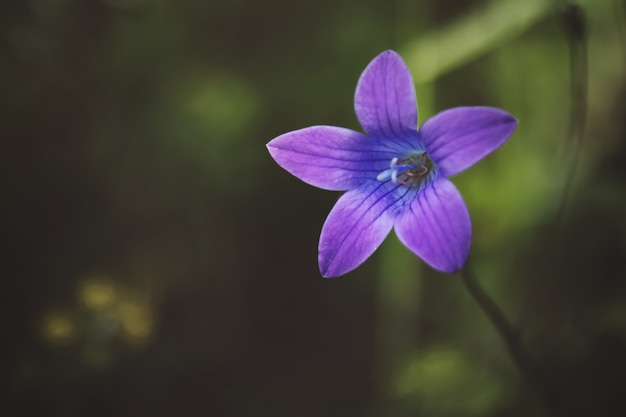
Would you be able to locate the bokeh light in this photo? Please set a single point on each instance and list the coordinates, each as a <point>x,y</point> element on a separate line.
<point>136,321</point>
<point>97,293</point>
<point>59,329</point>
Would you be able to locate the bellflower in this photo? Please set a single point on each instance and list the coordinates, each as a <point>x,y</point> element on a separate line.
<point>395,175</point>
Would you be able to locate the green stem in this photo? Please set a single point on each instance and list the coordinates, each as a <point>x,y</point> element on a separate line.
<point>511,338</point>
<point>514,344</point>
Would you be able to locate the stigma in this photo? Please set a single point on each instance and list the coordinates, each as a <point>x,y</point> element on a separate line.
<point>408,171</point>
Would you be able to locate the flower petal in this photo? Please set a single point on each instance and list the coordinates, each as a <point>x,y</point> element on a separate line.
<point>385,97</point>
<point>437,227</point>
<point>458,138</point>
<point>330,157</point>
<point>356,226</point>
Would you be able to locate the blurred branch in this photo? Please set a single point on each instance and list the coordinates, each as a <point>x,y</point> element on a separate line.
<point>441,51</point>
<point>575,25</point>
<point>620,16</point>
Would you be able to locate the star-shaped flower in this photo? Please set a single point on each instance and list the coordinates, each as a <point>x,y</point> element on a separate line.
<point>395,175</point>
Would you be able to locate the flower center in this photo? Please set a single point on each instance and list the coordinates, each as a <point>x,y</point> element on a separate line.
<point>409,171</point>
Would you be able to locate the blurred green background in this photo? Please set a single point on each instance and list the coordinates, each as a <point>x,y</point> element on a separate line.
<point>158,262</point>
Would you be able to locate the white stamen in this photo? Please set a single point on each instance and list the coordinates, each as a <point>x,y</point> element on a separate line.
<point>384,175</point>
<point>391,172</point>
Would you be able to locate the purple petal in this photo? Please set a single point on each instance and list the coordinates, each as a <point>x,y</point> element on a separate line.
<point>330,157</point>
<point>356,226</point>
<point>437,227</point>
<point>385,97</point>
<point>458,138</point>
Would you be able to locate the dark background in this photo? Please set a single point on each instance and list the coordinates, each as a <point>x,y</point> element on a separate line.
<point>157,262</point>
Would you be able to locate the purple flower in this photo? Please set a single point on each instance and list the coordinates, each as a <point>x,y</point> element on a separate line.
<point>396,176</point>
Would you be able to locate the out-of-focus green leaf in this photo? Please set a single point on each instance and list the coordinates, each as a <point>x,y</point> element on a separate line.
<point>442,50</point>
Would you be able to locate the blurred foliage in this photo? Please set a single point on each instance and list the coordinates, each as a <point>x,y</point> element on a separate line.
<point>157,262</point>
<point>440,380</point>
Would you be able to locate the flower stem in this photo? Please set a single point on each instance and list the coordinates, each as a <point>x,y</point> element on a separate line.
<point>512,339</point>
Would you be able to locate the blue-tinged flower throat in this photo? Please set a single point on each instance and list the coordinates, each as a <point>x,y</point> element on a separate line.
<point>409,171</point>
